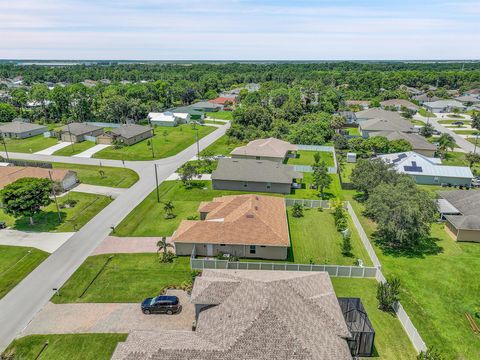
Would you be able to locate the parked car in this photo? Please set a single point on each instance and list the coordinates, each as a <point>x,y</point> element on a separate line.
<point>163,304</point>
<point>436,132</point>
<point>458,123</point>
<point>3,225</point>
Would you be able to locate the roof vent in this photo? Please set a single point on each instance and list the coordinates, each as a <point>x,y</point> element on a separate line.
<point>250,216</point>
<point>256,207</point>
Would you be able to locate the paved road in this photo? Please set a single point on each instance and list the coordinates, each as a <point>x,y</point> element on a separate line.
<point>21,304</point>
<point>464,144</point>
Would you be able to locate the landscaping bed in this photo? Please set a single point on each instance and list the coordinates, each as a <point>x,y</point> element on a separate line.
<point>168,141</point>
<point>125,278</point>
<point>66,346</point>
<point>16,262</point>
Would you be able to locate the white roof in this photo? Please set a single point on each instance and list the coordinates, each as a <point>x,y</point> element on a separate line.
<point>165,116</point>
<point>415,164</point>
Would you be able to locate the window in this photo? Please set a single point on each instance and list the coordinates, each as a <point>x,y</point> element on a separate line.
<point>435,179</point>
<point>262,246</point>
<point>245,184</point>
<point>257,157</point>
<point>222,244</point>
<point>269,185</point>
<point>253,249</point>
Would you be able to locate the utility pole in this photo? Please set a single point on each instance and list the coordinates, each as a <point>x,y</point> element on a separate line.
<point>4,145</point>
<point>70,133</point>
<point>476,139</point>
<point>156,181</point>
<point>55,196</point>
<point>151,144</point>
<point>198,145</point>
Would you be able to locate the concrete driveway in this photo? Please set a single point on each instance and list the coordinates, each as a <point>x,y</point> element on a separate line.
<point>89,152</point>
<point>99,190</point>
<point>45,241</point>
<point>127,245</point>
<point>52,149</point>
<point>108,318</point>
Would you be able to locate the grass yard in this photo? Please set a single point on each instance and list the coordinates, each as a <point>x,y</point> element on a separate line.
<point>306,158</point>
<point>438,287</point>
<point>29,145</point>
<point>426,113</point>
<point>391,342</point>
<point>416,122</point>
<point>73,219</point>
<point>167,141</point>
<point>473,140</point>
<point>315,239</point>
<point>126,278</point>
<point>452,121</point>
<point>466,132</point>
<point>458,159</point>
<point>113,177</point>
<point>352,131</point>
<point>16,262</point>
<point>333,191</point>
<point>347,169</point>
<point>77,148</point>
<point>223,146</point>
<point>66,346</point>
<point>222,115</point>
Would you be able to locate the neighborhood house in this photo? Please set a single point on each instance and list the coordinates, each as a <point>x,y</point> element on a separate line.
<point>420,145</point>
<point>248,226</point>
<point>128,134</point>
<point>399,104</point>
<point>168,118</point>
<point>21,130</point>
<point>428,171</point>
<point>443,106</point>
<point>264,149</point>
<point>78,132</point>
<point>65,178</point>
<point>254,175</point>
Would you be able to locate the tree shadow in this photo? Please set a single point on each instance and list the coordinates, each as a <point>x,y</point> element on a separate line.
<point>426,246</point>
<point>44,221</point>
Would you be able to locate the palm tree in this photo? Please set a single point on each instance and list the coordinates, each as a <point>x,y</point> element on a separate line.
<point>163,245</point>
<point>168,208</point>
<point>445,142</point>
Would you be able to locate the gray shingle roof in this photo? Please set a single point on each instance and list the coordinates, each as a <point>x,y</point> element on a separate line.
<point>376,113</point>
<point>466,201</point>
<point>130,130</point>
<point>20,127</point>
<point>384,124</point>
<point>261,315</point>
<point>418,142</point>
<point>255,170</point>
<point>469,222</point>
<point>79,128</point>
<point>270,147</point>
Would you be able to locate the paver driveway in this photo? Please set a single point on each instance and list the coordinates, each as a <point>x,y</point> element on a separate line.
<point>108,318</point>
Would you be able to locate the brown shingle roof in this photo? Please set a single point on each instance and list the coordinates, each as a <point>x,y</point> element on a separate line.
<point>261,315</point>
<point>238,219</point>
<point>270,147</point>
<point>9,174</point>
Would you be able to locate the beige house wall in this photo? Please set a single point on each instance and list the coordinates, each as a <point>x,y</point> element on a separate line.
<point>427,153</point>
<point>243,251</point>
<point>462,235</point>
<point>279,160</point>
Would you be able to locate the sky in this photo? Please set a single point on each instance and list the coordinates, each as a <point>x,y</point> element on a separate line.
<point>240,29</point>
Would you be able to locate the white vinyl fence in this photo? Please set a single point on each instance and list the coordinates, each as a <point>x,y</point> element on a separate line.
<point>308,203</point>
<point>304,168</point>
<point>402,315</point>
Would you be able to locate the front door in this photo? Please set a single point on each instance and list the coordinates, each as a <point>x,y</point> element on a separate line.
<point>209,250</point>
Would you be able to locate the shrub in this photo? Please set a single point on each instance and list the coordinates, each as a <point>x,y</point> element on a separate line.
<point>387,294</point>
<point>347,245</point>
<point>430,354</point>
<point>297,211</point>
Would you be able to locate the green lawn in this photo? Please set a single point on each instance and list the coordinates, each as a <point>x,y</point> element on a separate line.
<point>333,191</point>
<point>417,122</point>
<point>112,177</point>
<point>126,278</point>
<point>315,239</point>
<point>223,146</point>
<point>473,140</point>
<point>437,289</point>
<point>306,158</point>
<point>167,141</point>
<point>451,121</point>
<point>77,148</point>
<point>73,219</point>
<point>352,131</point>
<point>391,342</point>
<point>147,219</point>
<point>16,262</point>
<point>458,159</point>
<point>466,132</point>
<point>223,115</point>
<point>29,145</point>
<point>426,113</point>
<point>66,346</point>
<point>347,169</point>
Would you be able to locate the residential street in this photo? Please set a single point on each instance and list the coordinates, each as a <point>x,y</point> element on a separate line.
<point>21,304</point>
<point>464,144</point>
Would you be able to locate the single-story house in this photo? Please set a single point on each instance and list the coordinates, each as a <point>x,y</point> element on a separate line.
<point>264,149</point>
<point>461,210</point>
<point>168,118</point>
<point>224,100</point>
<point>78,132</point>
<point>377,113</point>
<point>420,145</point>
<point>254,175</point>
<point>411,90</point>
<point>423,98</point>
<point>371,126</point>
<point>21,130</point>
<point>184,110</point>
<point>444,106</point>
<point>128,134</point>
<point>253,314</point>
<point>428,171</point>
<point>206,106</point>
<point>364,104</point>
<point>251,226</point>
<point>349,116</point>
<point>468,100</point>
<point>473,92</point>
<point>65,178</point>
<point>398,104</point>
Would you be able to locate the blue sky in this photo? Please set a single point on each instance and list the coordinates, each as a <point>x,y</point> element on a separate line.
<point>239,29</point>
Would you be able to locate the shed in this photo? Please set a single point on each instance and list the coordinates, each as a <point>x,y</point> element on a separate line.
<point>351,157</point>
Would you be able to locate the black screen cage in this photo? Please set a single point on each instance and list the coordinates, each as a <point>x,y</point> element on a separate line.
<point>359,325</point>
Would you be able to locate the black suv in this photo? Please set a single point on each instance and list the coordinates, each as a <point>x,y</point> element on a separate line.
<point>163,304</point>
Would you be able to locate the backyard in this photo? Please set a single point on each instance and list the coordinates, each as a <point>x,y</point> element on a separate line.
<point>66,346</point>
<point>439,285</point>
<point>109,176</point>
<point>391,341</point>
<point>15,263</point>
<point>72,218</point>
<point>458,159</point>
<point>426,113</point>
<point>307,158</point>
<point>315,239</point>
<point>222,115</point>
<point>167,141</point>
<point>77,148</point>
<point>126,278</point>
<point>29,145</point>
